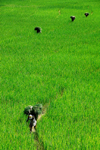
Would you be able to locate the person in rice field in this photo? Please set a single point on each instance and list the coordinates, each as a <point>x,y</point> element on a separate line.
<point>33,122</point>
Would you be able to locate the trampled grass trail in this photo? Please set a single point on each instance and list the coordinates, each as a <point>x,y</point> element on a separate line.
<point>59,67</point>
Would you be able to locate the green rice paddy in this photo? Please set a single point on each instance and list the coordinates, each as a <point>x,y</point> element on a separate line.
<point>59,68</point>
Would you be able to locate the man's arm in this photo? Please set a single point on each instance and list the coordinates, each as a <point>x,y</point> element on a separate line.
<point>27,119</point>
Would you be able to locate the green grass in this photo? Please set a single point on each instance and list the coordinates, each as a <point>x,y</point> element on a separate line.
<point>59,67</point>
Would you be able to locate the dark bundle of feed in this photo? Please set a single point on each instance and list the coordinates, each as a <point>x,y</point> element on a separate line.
<point>34,110</point>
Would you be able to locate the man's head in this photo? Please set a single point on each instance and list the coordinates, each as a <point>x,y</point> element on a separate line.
<point>31,117</point>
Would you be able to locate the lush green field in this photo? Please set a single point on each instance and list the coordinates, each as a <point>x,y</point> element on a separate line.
<point>59,67</point>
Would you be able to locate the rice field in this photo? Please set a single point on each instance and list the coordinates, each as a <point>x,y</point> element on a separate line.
<point>58,68</point>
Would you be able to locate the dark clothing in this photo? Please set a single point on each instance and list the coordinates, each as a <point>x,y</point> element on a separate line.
<point>35,114</point>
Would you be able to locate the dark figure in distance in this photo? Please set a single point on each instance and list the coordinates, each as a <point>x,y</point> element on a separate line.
<point>73,18</point>
<point>38,29</point>
<point>86,14</point>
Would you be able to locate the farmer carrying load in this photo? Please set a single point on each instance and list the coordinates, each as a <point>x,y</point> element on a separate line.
<point>33,112</point>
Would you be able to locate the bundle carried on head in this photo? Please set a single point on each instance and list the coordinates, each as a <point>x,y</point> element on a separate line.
<point>34,110</point>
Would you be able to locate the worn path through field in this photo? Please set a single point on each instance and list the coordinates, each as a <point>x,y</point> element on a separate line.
<point>39,145</point>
